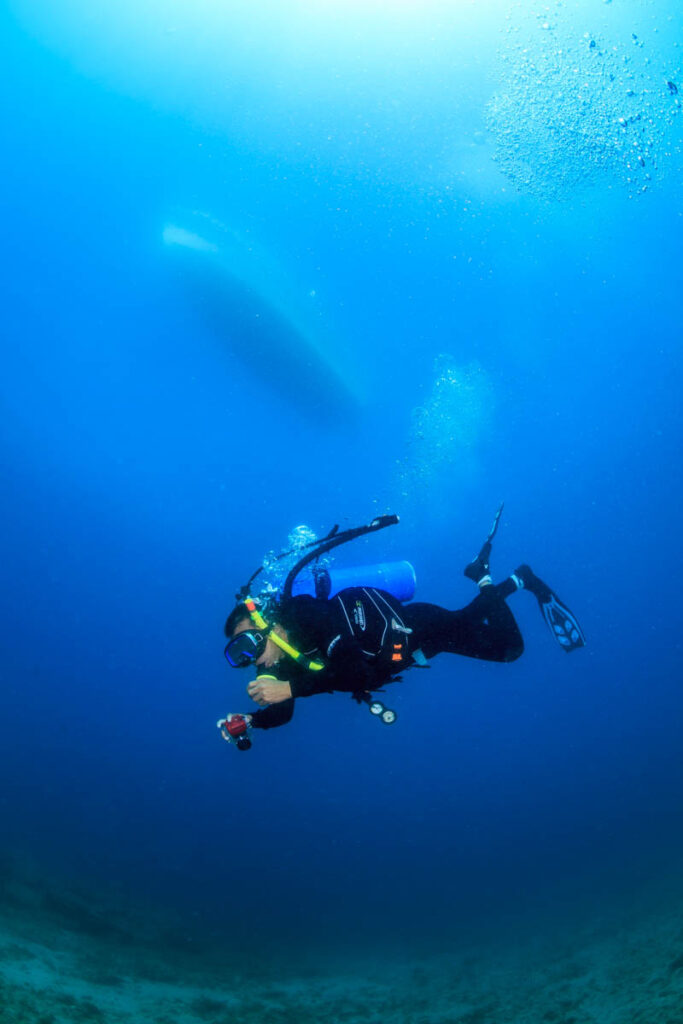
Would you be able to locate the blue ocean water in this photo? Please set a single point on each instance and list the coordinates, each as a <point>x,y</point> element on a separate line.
<point>285,264</point>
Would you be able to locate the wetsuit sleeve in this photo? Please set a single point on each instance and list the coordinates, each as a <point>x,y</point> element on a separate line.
<point>273,715</point>
<point>347,670</point>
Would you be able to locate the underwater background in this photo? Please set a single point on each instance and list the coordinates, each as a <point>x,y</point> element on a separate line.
<point>275,264</point>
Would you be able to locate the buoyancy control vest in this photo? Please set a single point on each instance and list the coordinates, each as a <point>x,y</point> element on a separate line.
<point>374,619</point>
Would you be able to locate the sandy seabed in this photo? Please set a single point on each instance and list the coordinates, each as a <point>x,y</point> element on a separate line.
<point>62,960</point>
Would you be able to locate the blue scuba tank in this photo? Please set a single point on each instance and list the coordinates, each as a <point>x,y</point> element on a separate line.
<point>397,578</point>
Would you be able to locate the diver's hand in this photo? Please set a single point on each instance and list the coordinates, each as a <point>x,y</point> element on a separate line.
<point>269,690</point>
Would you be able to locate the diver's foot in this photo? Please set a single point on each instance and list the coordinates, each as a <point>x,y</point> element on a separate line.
<point>478,570</point>
<point>527,579</point>
<point>560,620</point>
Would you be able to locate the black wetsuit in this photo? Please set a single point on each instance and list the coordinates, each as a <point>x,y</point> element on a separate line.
<point>365,637</point>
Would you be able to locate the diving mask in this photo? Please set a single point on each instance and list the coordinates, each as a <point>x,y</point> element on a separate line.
<point>245,648</point>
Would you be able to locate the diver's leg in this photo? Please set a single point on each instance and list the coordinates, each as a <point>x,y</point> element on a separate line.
<point>488,628</point>
<point>561,621</point>
<point>485,629</point>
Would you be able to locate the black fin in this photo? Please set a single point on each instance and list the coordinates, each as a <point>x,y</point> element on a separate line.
<point>479,566</point>
<point>562,623</point>
<point>492,531</point>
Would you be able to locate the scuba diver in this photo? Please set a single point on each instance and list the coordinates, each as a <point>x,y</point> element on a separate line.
<point>358,638</point>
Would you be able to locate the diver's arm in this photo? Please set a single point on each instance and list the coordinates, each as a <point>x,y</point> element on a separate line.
<point>273,715</point>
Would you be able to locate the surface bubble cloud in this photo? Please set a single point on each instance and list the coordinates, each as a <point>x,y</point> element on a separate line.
<point>576,107</point>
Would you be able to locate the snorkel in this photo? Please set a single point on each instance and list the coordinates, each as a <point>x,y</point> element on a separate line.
<point>269,632</point>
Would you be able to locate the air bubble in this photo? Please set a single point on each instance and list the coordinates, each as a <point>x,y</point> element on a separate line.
<point>446,426</point>
<point>549,138</point>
